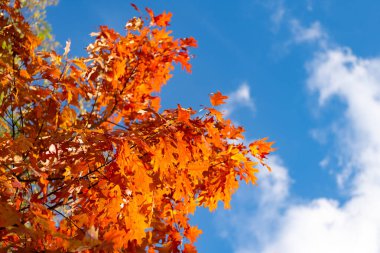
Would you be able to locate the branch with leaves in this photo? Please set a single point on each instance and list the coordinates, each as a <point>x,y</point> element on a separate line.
<point>88,161</point>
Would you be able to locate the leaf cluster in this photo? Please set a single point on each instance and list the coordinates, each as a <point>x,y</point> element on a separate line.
<point>89,162</point>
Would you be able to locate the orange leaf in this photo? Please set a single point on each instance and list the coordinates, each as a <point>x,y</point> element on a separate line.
<point>261,148</point>
<point>189,248</point>
<point>216,113</point>
<point>163,19</point>
<point>8,215</point>
<point>192,233</point>
<point>183,114</point>
<point>155,103</point>
<point>188,42</point>
<point>151,250</point>
<point>217,99</point>
<point>25,74</point>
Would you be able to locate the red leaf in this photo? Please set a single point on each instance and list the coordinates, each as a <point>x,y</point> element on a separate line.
<point>151,14</point>
<point>163,19</point>
<point>135,7</point>
<point>188,42</point>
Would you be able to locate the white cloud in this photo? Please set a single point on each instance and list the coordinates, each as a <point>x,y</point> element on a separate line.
<point>279,224</point>
<point>274,187</point>
<point>339,73</point>
<point>239,98</point>
<point>313,33</point>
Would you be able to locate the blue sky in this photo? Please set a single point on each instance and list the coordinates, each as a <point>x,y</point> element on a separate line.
<point>304,73</point>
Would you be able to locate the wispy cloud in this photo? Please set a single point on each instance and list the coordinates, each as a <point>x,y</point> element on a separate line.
<point>312,33</point>
<point>238,99</point>
<point>309,5</point>
<point>279,13</point>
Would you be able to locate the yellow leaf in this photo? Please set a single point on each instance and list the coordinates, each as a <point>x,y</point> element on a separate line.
<point>80,64</point>
<point>238,157</point>
<point>67,173</point>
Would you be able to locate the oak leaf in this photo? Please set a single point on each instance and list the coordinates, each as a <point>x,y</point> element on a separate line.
<point>217,99</point>
<point>261,148</point>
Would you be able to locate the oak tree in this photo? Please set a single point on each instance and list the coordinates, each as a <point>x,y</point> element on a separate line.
<point>89,161</point>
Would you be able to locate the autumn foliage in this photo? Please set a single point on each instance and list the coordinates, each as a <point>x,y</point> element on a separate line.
<point>89,161</point>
